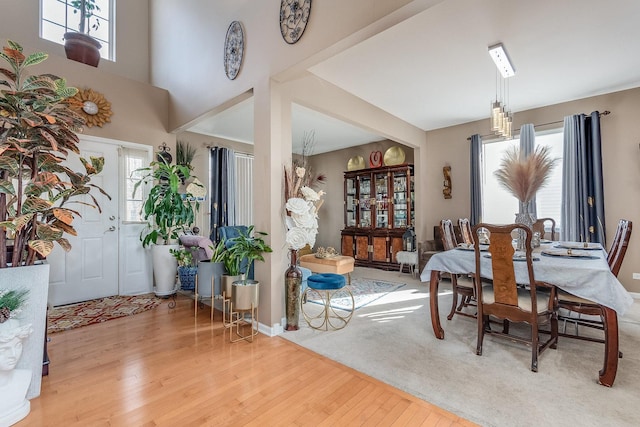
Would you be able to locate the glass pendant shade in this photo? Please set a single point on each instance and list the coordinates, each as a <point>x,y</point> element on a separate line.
<point>496,108</point>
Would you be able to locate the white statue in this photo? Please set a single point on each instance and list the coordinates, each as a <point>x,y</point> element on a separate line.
<point>13,382</point>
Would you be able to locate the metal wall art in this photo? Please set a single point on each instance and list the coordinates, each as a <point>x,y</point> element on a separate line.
<point>233,50</point>
<point>294,16</point>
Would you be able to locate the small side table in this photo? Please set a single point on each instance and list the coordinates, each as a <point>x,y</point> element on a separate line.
<point>409,258</point>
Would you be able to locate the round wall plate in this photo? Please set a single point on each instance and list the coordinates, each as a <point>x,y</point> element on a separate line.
<point>233,50</point>
<point>355,163</point>
<point>294,16</point>
<point>394,156</point>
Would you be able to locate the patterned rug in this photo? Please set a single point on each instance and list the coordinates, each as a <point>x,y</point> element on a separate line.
<point>364,291</point>
<point>99,310</point>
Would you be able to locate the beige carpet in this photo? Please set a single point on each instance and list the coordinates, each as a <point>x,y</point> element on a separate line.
<point>392,340</point>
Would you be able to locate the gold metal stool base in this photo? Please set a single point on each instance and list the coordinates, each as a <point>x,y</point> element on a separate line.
<point>328,316</point>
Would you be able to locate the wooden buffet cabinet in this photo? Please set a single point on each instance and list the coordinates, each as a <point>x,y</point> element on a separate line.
<point>378,208</point>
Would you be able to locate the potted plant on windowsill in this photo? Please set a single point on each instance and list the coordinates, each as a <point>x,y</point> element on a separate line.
<point>38,121</point>
<point>80,46</point>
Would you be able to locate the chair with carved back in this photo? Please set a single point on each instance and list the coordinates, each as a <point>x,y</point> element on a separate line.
<point>539,227</point>
<point>460,285</point>
<point>583,306</point>
<point>504,299</point>
<point>465,230</point>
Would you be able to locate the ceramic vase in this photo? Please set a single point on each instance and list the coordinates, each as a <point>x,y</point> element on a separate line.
<point>293,282</point>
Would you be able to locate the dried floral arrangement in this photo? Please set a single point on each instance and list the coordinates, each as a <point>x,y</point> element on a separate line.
<point>302,202</point>
<point>524,176</point>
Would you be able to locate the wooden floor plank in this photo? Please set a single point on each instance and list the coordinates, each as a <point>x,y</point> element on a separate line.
<point>166,368</point>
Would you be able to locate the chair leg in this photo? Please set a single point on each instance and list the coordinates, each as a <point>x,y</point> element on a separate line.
<point>534,347</point>
<point>481,326</point>
<point>454,296</point>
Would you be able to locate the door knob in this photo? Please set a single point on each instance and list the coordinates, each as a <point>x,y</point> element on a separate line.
<point>112,217</point>
<point>112,228</point>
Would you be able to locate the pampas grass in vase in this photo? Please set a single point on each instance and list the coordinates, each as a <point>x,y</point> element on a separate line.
<point>524,176</point>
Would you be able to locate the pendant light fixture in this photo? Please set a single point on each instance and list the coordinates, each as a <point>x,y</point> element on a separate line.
<point>501,116</point>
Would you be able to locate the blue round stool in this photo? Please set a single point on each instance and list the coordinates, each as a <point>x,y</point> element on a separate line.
<point>322,288</point>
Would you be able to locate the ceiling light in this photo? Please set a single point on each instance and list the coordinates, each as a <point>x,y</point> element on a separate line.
<point>500,57</point>
<point>501,117</point>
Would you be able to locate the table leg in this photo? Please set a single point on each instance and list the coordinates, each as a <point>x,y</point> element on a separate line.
<point>433,303</point>
<point>611,347</point>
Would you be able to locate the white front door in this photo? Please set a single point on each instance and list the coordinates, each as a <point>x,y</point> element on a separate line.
<point>91,269</point>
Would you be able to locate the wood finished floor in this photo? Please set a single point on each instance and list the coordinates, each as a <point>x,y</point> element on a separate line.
<point>166,368</point>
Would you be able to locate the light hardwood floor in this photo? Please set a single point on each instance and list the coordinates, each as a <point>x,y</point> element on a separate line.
<point>166,368</point>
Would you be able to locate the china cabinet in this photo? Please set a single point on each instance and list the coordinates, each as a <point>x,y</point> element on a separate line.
<point>378,208</point>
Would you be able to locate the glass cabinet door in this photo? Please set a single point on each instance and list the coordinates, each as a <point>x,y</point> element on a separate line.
<point>400,199</point>
<point>364,203</point>
<point>351,202</point>
<point>382,200</point>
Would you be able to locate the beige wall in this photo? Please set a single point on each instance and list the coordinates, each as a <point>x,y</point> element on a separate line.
<point>20,22</point>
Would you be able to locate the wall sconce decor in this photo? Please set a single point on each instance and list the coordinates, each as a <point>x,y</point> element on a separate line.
<point>446,190</point>
<point>93,106</point>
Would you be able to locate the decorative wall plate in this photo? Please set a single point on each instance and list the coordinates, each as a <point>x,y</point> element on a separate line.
<point>355,163</point>
<point>394,156</point>
<point>95,109</point>
<point>233,50</point>
<point>294,16</point>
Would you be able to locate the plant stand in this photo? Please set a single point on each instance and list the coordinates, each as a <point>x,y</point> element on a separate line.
<point>244,300</point>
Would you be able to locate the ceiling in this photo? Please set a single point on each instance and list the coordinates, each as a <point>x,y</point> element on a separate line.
<point>433,70</point>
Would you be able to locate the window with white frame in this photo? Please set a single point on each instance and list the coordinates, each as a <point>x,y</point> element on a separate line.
<point>61,16</point>
<point>133,160</point>
<point>499,206</point>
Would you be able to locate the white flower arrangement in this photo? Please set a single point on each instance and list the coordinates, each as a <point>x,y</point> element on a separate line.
<point>302,212</point>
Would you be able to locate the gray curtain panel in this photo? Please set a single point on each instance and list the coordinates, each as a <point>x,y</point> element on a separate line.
<point>476,180</point>
<point>527,145</point>
<point>582,182</point>
<point>222,190</point>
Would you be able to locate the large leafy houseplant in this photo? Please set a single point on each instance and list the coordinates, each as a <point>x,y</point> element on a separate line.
<point>38,121</point>
<point>167,209</point>
<point>80,46</point>
<point>87,10</point>
<point>248,245</point>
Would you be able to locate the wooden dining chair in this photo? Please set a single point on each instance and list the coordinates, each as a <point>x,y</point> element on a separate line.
<point>539,226</point>
<point>465,230</point>
<point>502,298</point>
<point>583,306</point>
<point>460,284</point>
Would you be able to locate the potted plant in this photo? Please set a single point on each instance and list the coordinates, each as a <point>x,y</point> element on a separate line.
<point>210,272</point>
<point>251,246</point>
<point>80,46</point>
<point>38,120</point>
<point>186,268</point>
<point>185,153</point>
<point>170,212</point>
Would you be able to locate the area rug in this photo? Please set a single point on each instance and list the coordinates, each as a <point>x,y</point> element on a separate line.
<point>99,310</point>
<point>364,291</point>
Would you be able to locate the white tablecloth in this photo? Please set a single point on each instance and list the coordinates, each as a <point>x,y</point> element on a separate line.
<point>584,277</point>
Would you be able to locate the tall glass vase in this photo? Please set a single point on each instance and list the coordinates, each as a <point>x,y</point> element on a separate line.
<point>293,282</point>
<point>525,218</point>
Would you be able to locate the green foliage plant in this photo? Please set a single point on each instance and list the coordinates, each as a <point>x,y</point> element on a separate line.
<point>87,10</point>
<point>167,210</point>
<point>183,255</point>
<point>248,245</point>
<point>185,153</point>
<point>38,124</point>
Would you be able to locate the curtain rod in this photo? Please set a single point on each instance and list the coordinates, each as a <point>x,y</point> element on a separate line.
<point>604,113</point>
<point>209,147</point>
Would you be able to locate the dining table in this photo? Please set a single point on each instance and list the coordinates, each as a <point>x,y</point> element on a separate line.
<point>574,267</point>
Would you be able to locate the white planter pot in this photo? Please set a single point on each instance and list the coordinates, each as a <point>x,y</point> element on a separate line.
<point>35,278</point>
<point>165,268</point>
